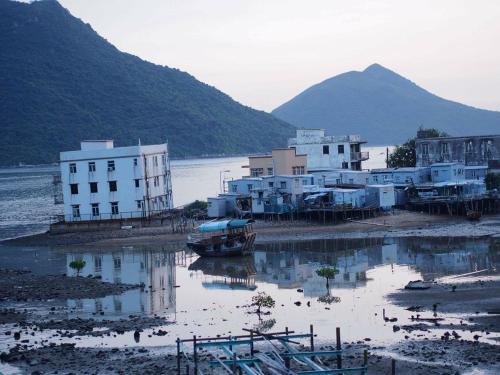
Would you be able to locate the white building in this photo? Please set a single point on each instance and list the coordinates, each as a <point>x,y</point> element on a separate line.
<point>328,152</point>
<point>101,182</point>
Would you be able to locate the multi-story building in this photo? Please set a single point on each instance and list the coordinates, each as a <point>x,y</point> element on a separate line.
<point>470,151</point>
<point>282,161</point>
<point>329,152</point>
<point>101,182</point>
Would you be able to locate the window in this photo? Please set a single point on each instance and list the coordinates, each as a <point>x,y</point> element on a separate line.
<point>256,172</point>
<point>270,171</point>
<point>72,168</point>
<point>91,166</point>
<point>95,209</point>
<point>137,182</point>
<point>163,160</point>
<point>111,165</point>
<point>112,186</point>
<point>345,165</point>
<point>375,178</point>
<point>135,162</point>
<point>114,208</point>
<point>139,205</point>
<point>234,188</point>
<point>93,187</point>
<point>117,263</point>
<point>444,148</point>
<point>326,149</point>
<point>271,184</point>
<point>468,147</point>
<point>75,210</point>
<point>425,149</point>
<point>340,149</point>
<point>250,187</point>
<point>155,161</point>
<point>156,181</point>
<point>73,188</point>
<point>283,184</point>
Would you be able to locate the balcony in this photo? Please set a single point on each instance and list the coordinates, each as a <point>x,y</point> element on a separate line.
<point>360,156</point>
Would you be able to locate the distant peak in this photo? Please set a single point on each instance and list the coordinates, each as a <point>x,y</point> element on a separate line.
<point>375,68</point>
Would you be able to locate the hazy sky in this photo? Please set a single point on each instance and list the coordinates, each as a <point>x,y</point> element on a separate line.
<point>264,52</point>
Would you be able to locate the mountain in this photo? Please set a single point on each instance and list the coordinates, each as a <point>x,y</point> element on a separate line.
<point>383,107</point>
<point>60,82</point>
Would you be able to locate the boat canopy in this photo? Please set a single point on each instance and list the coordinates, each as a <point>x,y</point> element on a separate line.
<point>223,224</point>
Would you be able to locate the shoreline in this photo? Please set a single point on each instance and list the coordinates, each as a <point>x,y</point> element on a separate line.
<point>399,224</point>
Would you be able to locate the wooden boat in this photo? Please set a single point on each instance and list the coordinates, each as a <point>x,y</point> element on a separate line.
<point>223,238</point>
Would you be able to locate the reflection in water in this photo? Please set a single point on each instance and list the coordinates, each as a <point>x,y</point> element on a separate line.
<point>293,265</point>
<point>155,271</point>
<point>213,293</point>
<point>287,265</point>
<point>230,273</point>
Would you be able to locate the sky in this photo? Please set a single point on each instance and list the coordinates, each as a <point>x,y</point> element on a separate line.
<point>264,52</point>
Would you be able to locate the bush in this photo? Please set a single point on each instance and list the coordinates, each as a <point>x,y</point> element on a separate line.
<point>77,265</point>
<point>262,301</point>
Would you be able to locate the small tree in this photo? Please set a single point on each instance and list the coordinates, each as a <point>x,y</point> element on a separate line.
<point>77,265</point>
<point>328,273</point>
<point>262,301</point>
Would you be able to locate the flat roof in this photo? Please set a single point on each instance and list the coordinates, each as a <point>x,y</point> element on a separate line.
<point>476,167</point>
<point>444,164</point>
<point>459,137</point>
<point>260,156</point>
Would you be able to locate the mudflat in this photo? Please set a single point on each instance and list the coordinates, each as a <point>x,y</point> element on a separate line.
<point>400,223</point>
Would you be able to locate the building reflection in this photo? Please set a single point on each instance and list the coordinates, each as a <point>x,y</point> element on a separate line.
<point>294,264</point>
<point>153,269</point>
<point>231,273</point>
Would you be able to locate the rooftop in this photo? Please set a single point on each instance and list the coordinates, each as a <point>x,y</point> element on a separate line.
<point>461,137</point>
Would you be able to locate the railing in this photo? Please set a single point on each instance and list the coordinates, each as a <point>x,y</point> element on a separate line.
<point>110,216</point>
<point>327,139</point>
<point>360,156</point>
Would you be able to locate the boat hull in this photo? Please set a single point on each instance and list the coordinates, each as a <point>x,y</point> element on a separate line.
<point>210,249</point>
